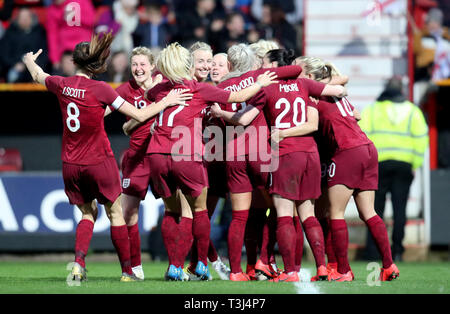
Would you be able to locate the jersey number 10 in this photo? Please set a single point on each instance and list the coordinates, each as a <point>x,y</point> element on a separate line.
<point>345,109</point>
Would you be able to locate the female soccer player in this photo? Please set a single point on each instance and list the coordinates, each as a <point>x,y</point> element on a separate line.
<point>220,67</point>
<point>295,183</point>
<point>352,171</point>
<point>176,146</point>
<point>90,170</point>
<point>203,59</point>
<point>135,172</point>
<point>202,55</point>
<point>245,156</point>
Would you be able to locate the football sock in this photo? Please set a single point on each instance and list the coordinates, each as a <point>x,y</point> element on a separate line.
<point>135,245</point>
<point>339,236</point>
<point>378,231</point>
<point>314,234</point>
<point>269,237</point>
<point>170,234</point>
<point>298,243</point>
<point>119,237</point>
<point>286,237</point>
<point>236,233</point>
<point>201,228</point>
<point>83,237</point>
<point>325,223</point>
<point>212,253</point>
<point>185,240</point>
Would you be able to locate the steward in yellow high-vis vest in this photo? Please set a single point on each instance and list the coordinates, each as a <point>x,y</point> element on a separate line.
<point>399,131</point>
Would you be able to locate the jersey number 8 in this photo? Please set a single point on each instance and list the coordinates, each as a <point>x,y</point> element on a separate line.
<point>72,122</point>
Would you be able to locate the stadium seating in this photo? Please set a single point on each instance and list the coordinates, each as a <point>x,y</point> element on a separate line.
<point>10,159</point>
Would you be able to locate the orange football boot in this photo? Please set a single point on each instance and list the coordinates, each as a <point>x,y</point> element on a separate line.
<point>265,269</point>
<point>322,274</point>
<point>286,277</point>
<point>390,273</point>
<point>336,276</point>
<point>239,277</point>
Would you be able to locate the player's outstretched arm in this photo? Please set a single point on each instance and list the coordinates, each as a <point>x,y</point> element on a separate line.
<point>336,80</point>
<point>310,126</point>
<point>334,90</point>
<point>174,98</point>
<point>243,118</point>
<point>129,126</point>
<point>245,94</point>
<point>38,75</point>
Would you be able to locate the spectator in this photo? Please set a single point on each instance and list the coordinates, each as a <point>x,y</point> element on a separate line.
<point>283,31</point>
<point>67,67</point>
<point>292,8</point>
<point>126,14</point>
<point>264,18</point>
<point>118,69</point>
<point>398,129</point>
<point>431,48</point>
<point>194,25</point>
<point>234,33</point>
<point>122,19</point>
<point>155,32</point>
<point>107,22</point>
<point>68,23</point>
<point>24,34</point>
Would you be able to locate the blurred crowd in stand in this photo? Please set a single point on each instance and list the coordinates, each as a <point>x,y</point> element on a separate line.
<point>57,25</point>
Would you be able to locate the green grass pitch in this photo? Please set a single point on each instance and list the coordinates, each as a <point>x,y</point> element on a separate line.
<point>103,278</point>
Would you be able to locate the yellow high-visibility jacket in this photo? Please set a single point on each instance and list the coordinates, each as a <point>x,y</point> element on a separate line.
<point>398,130</point>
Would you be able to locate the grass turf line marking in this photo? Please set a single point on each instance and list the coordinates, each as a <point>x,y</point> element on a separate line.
<point>305,286</point>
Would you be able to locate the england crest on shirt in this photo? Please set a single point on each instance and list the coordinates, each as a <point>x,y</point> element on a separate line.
<point>125,183</point>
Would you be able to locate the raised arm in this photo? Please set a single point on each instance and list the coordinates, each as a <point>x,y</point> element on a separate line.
<point>336,80</point>
<point>38,75</point>
<point>334,90</point>
<point>245,94</point>
<point>141,115</point>
<point>310,126</point>
<point>288,71</point>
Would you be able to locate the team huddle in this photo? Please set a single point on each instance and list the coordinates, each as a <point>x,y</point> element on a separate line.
<point>272,131</point>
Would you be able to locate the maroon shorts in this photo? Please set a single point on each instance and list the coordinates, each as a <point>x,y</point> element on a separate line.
<point>135,174</point>
<point>169,175</point>
<point>217,178</point>
<point>83,184</point>
<point>297,177</point>
<point>356,168</point>
<point>246,175</point>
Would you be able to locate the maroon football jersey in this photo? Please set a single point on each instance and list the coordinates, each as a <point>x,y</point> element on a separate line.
<point>285,106</point>
<point>183,124</point>
<point>135,95</point>
<point>248,142</point>
<point>83,102</point>
<point>338,128</point>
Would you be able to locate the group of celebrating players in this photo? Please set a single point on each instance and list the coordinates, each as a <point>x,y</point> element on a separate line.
<point>310,158</point>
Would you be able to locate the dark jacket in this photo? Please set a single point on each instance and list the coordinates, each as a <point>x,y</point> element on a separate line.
<point>16,42</point>
<point>142,36</point>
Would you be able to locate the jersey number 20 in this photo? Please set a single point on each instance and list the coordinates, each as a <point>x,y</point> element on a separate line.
<point>299,104</point>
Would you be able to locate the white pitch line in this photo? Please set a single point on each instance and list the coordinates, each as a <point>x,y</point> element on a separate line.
<point>305,286</point>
